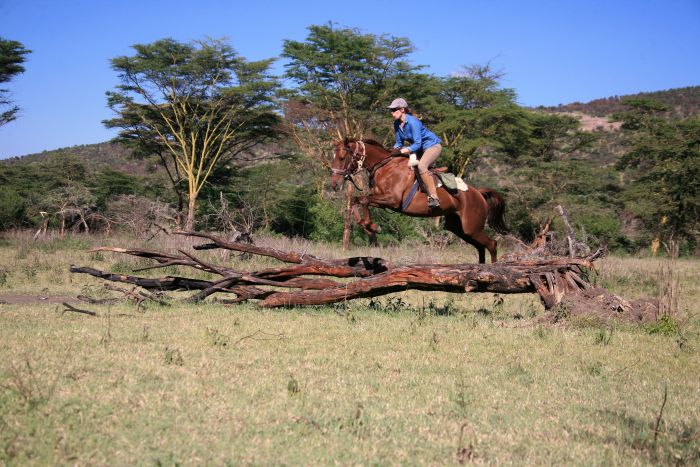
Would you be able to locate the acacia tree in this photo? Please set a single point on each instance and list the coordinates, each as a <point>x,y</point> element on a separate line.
<point>12,55</point>
<point>663,165</point>
<point>200,103</point>
<point>342,78</point>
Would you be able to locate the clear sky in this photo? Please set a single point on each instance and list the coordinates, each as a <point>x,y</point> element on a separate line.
<point>552,52</point>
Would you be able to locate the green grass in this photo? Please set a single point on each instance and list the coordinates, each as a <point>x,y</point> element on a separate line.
<point>413,378</point>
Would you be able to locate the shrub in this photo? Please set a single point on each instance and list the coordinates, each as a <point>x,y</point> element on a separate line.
<point>666,326</point>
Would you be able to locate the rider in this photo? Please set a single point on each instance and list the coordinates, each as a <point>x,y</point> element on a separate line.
<point>423,142</point>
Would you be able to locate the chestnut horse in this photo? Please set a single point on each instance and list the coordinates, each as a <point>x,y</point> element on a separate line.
<point>391,179</point>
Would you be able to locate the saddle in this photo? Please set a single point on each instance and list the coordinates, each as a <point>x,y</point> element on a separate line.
<point>443,178</point>
<point>453,185</point>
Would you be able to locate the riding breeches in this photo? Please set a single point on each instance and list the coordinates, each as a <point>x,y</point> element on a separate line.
<point>430,155</point>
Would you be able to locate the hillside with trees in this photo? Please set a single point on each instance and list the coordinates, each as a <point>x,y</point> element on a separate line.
<point>625,168</point>
<point>681,102</point>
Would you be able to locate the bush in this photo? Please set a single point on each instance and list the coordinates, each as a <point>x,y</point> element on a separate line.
<point>326,220</point>
<point>12,208</point>
<point>666,326</point>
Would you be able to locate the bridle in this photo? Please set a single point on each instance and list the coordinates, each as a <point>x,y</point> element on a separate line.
<point>357,159</point>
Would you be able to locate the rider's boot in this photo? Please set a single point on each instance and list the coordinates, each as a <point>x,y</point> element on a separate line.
<point>429,185</point>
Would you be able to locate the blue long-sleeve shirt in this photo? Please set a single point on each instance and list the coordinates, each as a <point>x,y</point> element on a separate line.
<point>416,134</point>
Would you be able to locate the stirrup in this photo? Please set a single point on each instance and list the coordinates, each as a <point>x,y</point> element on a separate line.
<point>433,202</point>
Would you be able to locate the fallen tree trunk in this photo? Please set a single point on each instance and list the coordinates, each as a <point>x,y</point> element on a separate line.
<point>551,278</point>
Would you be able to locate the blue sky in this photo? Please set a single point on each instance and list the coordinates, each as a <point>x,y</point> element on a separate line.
<point>551,52</point>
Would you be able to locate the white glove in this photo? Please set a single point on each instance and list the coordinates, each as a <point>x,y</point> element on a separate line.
<point>412,160</point>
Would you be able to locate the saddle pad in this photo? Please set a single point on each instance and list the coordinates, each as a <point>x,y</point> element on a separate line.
<point>448,180</point>
<point>451,182</point>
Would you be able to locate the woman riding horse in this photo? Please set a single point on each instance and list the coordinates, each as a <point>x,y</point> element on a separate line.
<point>466,212</point>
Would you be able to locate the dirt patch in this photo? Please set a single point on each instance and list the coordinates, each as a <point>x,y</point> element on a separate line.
<point>16,299</point>
<point>600,305</point>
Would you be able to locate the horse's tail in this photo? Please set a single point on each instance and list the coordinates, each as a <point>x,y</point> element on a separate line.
<point>497,210</point>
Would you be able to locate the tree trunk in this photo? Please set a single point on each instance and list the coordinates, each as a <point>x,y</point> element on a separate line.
<point>191,208</point>
<point>347,227</point>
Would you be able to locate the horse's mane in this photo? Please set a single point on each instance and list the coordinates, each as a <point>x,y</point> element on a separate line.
<point>371,142</point>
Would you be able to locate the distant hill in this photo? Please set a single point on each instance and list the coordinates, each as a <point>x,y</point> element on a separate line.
<point>96,157</point>
<point>682,102</point>
<point>595,117</point>
<point>116,156</point>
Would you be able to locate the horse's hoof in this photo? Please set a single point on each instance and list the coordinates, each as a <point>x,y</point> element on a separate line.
<point>377,229</point>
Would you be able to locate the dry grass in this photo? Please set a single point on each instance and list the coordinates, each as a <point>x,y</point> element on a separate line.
<point>412,378</point>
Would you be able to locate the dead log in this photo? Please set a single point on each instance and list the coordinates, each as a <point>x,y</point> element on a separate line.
<point>168,283</point>
<point>550,278</point>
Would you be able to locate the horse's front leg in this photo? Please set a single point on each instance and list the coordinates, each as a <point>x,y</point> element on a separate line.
<point>363,218</point>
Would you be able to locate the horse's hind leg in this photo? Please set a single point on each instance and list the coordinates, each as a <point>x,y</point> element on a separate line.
<point>454,225</point>
<point>480,241</point>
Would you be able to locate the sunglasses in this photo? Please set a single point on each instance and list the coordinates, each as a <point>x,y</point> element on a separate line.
<point>394,109</point>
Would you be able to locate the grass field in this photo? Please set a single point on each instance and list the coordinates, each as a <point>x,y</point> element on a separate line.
<point>411,378</point>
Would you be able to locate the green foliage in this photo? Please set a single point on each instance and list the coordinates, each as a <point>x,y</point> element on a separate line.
<point>470,113</point>
<point>538,137</point>
<point>681,103</point>
<point>64,181</point>
<point>326,224</point>
<point>12,55</point>
<point>12,208</point>
<point>397,227</point>
<point>666,326</point>
<point>663,163</point>
<point>590,195</point>
<point>111,183</point>
<point>600,224</point>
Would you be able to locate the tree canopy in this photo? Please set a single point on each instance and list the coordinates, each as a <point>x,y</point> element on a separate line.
<point>12,56</point>
<point>200,102</point>
<point>663,165</point>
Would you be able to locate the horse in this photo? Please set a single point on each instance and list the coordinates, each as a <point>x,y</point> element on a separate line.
<point>465,212</point>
